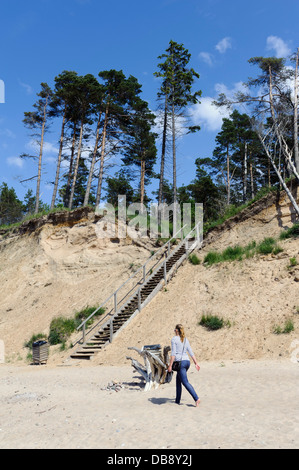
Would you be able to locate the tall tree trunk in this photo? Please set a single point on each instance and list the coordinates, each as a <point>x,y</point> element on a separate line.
<point>174,156</point>
<point>100,180</point>
<point>142,176</point>
<point>281,140</point>
<point>269,173</point>
<point>251,179</point>
<point>245,171</point>
<point>278,173</point>
<point>93,161</point>
<point>283,173</point>
<point>59,159</point>
<point>76,165</point>
<point>296,143</point>
<point>228,177</point>
<point>69,177</point>
<point>39,173</point>
<point>164,136</point>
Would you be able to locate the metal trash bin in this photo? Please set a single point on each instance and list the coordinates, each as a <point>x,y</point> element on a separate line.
<point>40,352</point>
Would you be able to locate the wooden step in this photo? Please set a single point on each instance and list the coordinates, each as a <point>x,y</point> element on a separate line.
<point>88,348</point>
<point>102,337</point>
<point>85,353</point>
<point>80,356</point>
<point>98,345</point>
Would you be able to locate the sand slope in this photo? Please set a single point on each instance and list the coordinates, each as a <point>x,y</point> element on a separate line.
<point>59,269</point>
<point>253,295</point>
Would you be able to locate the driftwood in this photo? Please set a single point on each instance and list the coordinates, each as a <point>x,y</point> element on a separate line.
<point>154,371</point>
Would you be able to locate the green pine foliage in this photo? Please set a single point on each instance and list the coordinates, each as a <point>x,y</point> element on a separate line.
<point>11,208</point>
<point>108,111</point>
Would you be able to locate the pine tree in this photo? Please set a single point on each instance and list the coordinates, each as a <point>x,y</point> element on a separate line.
<point>141,149</point>
<point>62,106</point>
<point>176,91</point>
<point>119,184</point>
<point>119,95</point>
<point>295,118</point>
<point>86,92</point>
<point>99,98</point>
<point>80,186</point>
<point>203,190</point>
<point>37,121</point>
<point>29,202</point>
<point>225,141</point>
<point>247,155</point>
<point>239,161</point>
<point>11,208</point>
<point>277,102</point>
<point>271,111</point>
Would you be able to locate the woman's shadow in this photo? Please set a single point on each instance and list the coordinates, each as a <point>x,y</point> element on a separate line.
<point>160,401</point>
<point>163,401</point>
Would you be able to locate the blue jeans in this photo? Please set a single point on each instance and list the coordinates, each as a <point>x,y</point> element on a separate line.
<point>181,378</point>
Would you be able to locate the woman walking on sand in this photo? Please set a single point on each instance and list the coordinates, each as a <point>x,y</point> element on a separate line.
<point>180,346</point>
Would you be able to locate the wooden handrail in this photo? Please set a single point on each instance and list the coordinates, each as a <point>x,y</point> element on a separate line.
<point>144,273</point>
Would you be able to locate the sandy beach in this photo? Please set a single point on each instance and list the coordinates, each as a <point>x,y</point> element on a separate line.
<point>248,382</point>
<point>244,405</point>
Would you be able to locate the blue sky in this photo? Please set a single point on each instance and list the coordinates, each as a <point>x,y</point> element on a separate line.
<point>41,38</point>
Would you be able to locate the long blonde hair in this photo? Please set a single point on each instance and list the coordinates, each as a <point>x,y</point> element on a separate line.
<point>181,331</point>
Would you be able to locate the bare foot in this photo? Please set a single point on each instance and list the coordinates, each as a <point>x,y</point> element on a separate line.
<point>197,402</point>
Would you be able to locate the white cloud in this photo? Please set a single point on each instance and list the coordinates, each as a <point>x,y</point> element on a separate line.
<point>65,164</point>
<point>180,125</point>
<point>209,116</point>
<point>7,133</point>
<point>206,57</point>
<point>278,45</point>
<point>2,91</point>
<point>289,84</point>
<point>50,160</point>
<point>238,86</point>
<point>28,88</point>
<point>48,147</point>
<point>223,45</point>
<point>15,161</point>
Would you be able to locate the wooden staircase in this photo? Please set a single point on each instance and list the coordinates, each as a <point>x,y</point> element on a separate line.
<point>102,336</point>
<point>171,257</point>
